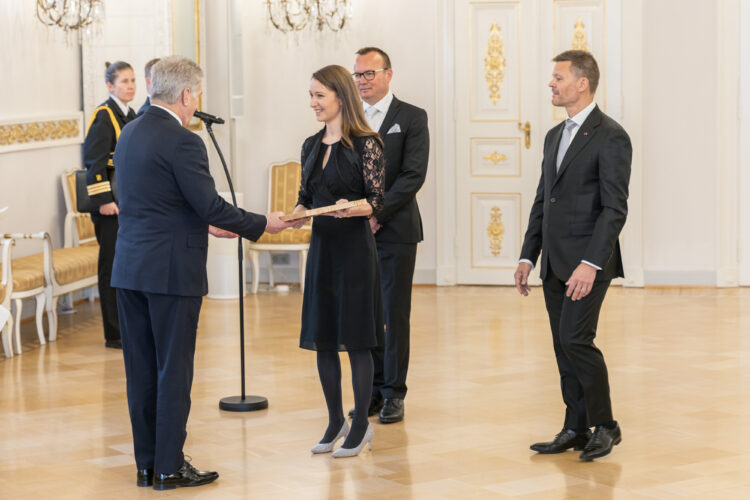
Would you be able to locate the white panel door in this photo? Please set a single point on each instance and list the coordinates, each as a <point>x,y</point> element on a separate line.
<point>497,166</point>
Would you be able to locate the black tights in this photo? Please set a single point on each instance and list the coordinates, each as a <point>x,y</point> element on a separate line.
<point>329,370</point>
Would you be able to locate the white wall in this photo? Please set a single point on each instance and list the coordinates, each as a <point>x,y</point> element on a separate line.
<point>277,73</point>
<point>41,77</point>
<point>680,141</point>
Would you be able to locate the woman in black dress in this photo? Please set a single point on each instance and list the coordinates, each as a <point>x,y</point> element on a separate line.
<point>102,133</point>
<point>341,309</point>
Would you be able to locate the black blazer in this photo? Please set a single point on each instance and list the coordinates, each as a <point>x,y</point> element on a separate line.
<point>98,148</point>
<point>167,200</point>
<point>578,212</point>
<point>406,155</point>
<point>349,167</point>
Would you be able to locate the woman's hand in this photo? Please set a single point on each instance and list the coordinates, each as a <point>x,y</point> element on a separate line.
<point>340,214</point>
<point>300,222</point>
<point>221,233</point>
<point>109,209</point>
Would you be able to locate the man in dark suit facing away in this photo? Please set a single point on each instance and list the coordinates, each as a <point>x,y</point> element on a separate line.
<point>147,72</point>
<point>168,206</point>
<point>398,227</point>
<point>578,212</point>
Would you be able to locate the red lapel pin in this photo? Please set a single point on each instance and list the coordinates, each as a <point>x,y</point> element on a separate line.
<point>585,133</point>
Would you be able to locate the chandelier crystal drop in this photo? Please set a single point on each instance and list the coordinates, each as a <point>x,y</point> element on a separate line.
<point>295,15</point>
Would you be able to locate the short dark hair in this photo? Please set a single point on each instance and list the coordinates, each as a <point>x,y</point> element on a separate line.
<point>147,68</point>
<point>583,65</point>
<point>113,69</point>
<point>367,50</point>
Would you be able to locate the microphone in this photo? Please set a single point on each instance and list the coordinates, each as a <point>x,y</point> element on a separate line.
<point>208,118</point>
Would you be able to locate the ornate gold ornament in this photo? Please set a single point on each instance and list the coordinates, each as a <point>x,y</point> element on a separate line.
<point>494,63</point>
<point>496,230</point>
<point>495,157</point>
<point>20,133</point>
<point>579,37</point>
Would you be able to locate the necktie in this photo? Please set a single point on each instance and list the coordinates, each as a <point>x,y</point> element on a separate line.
<point>565,141</point>
<point>370,115</point>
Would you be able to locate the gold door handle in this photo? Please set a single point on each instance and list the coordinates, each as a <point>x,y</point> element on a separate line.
<point>526,128</point>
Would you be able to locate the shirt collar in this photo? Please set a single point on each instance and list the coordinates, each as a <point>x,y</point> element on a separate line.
<point>382,105</point>
<point>583,114</point>
<point>176,117</point>
<point>123,107</point>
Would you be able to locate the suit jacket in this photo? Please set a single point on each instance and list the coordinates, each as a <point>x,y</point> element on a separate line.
<point>145,107</point>
<point>406,155</point>
<point>579,211</point>
<point>99,147</point>
<point>167,200</point>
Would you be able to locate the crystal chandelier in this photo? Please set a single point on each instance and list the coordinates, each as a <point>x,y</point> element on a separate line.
<point>296,15</point>
<point>71,15</point>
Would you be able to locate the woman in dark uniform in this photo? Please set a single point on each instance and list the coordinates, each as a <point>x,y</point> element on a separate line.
<point>341,309</point>
<point>103,131</point>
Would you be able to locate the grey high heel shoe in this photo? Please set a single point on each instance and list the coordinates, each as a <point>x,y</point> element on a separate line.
<point>353,452</point>
<point>328,447</point>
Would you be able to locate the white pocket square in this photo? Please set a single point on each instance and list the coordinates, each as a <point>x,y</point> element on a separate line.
<point>395,129</point>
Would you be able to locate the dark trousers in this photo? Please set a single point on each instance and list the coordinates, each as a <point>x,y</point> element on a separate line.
<point>583,373</point>
<point>158,343</point>
<point>391,361</point>
<point>106,234</point>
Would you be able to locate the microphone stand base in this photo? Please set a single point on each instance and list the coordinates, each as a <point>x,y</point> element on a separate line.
<point>249,403</point>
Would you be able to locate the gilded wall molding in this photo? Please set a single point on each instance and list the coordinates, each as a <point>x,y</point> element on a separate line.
<point>495,157</point>
<point>494,63</point>
<point>34,133</point>
<point>579,37</point>
<point>496,230</point>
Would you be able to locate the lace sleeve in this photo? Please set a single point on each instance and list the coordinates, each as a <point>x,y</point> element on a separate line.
<point>303,198</point>
<point>373,172</point>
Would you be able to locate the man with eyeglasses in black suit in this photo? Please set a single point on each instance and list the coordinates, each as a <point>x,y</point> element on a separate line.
<point>398,227</point>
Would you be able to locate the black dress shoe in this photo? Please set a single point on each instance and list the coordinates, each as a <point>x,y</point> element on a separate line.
<point>145,477</point>
<point>376,404</point>
<point>601,443</point>
<point>187,475</point>
<point>393,411</point>
<point>113,344</point>
<point>565,440</point>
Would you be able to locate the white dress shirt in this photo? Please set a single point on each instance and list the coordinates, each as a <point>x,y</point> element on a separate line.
<point>375,114</point>
<point>123,107</point>
<point>176,117</point>
<point>579,118</point>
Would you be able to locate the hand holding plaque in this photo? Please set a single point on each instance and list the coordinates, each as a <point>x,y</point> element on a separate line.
<point>301,213</point>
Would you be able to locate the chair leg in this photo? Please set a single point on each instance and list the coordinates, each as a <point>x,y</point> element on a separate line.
<point>271,281</point>
<point>254,255</point>
<point>302,268</point>
<point>40,318</point>
<point>52,317</point>
<point>8,338</point>
<point>17,327</point>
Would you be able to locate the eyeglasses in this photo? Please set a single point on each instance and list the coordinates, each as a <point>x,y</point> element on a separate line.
<point>367,75</point>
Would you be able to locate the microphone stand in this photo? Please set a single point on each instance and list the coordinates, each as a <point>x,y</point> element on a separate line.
<point>242,402</point>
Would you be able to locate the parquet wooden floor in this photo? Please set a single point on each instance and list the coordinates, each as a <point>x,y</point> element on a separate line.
<point>482,386</point>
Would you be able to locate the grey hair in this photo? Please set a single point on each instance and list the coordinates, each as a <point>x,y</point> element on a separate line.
<point>171,76</point>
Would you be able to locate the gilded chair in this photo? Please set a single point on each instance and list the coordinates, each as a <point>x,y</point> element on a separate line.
<point>283,187</point>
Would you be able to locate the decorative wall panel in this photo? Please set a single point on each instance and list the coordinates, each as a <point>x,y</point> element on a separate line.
<point>41,132</point>
<point>496,230</point>
<point>494,52</point>
<point>495,157</point>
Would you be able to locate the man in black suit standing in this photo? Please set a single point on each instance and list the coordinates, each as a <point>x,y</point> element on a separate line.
<point>147,71</point>
<point>398,227</point>
<point>578,212</point>
<point>167,201</point>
